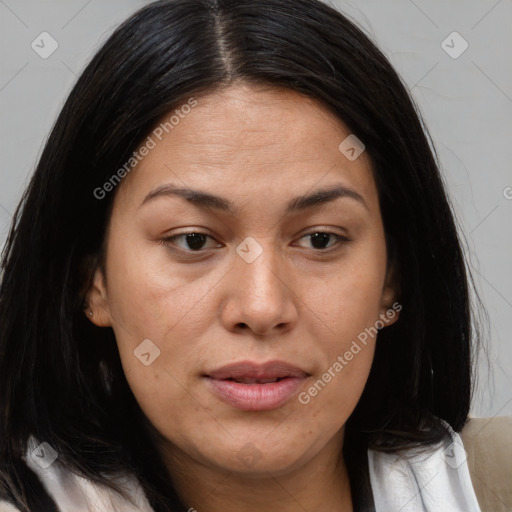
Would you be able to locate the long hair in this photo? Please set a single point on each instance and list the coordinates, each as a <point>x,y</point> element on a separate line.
<point>61,378</point>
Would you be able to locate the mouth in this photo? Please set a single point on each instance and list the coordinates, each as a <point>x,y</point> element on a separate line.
<point>250,386</point>
<point>249,380</point>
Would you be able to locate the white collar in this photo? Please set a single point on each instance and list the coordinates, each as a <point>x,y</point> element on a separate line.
<point>423,480</point>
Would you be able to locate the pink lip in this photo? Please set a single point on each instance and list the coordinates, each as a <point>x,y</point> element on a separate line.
<point>256,396</point>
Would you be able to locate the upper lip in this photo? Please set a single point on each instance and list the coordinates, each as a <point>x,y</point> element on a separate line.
<point>252,370</point>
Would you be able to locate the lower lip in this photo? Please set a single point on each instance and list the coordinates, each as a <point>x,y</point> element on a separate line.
<point>256,397</point>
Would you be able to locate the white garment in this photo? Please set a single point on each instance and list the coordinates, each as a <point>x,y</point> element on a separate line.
<point>436,480</point>
<point>73,493</point>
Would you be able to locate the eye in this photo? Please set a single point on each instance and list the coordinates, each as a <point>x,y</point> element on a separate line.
<point>193,241</point>
<point>323,240</point>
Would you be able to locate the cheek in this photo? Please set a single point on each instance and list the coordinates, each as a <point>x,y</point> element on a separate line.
<point>329,401</point>
<point>158,316</point>
<point>346,350</point>
<point>150,297</point>
<point>351,300</point>
<point>349,306</point>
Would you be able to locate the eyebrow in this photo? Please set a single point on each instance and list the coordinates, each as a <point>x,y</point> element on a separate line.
<point>210,201</point>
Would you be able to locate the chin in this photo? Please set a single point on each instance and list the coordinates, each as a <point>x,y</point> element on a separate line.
<point>256,458</point>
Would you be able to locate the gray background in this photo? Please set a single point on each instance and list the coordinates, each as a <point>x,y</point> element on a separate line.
<point>466,102</point>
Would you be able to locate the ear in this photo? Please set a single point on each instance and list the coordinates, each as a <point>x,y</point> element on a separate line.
<point>390,307</point>
<point>97,301</point>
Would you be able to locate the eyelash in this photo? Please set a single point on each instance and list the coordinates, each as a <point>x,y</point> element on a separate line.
<point>168,242</point>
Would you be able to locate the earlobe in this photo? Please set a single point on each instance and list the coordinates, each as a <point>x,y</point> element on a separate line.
<point>390,306</point>
<point>391,313</point>
<point>97,310</point>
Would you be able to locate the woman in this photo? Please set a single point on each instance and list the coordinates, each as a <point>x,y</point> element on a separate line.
<point>234,281</point>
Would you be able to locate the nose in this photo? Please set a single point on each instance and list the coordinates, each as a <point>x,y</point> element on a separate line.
<point>260,296</point>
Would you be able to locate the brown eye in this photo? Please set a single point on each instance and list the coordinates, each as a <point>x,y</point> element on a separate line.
<point>322,240</point>
<point>191,241</point>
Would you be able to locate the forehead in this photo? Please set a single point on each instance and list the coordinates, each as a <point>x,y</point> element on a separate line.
<point>245,140</point>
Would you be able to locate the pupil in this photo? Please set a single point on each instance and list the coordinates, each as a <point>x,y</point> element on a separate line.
<point>195,240</point>
<point>318,239</point>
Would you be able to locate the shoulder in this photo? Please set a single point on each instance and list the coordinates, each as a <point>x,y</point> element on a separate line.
<point>5,506</point>
<point>432,477</point>
<point>488,442</point>
<point>72,492</point>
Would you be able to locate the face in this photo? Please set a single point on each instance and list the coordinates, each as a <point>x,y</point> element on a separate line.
<point>245,273</point>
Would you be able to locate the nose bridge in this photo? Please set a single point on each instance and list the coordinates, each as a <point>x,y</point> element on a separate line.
<point>263,298</point>
<point>259,268</point>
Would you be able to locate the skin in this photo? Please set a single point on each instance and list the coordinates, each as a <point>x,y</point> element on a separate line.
<point>258,147</point>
